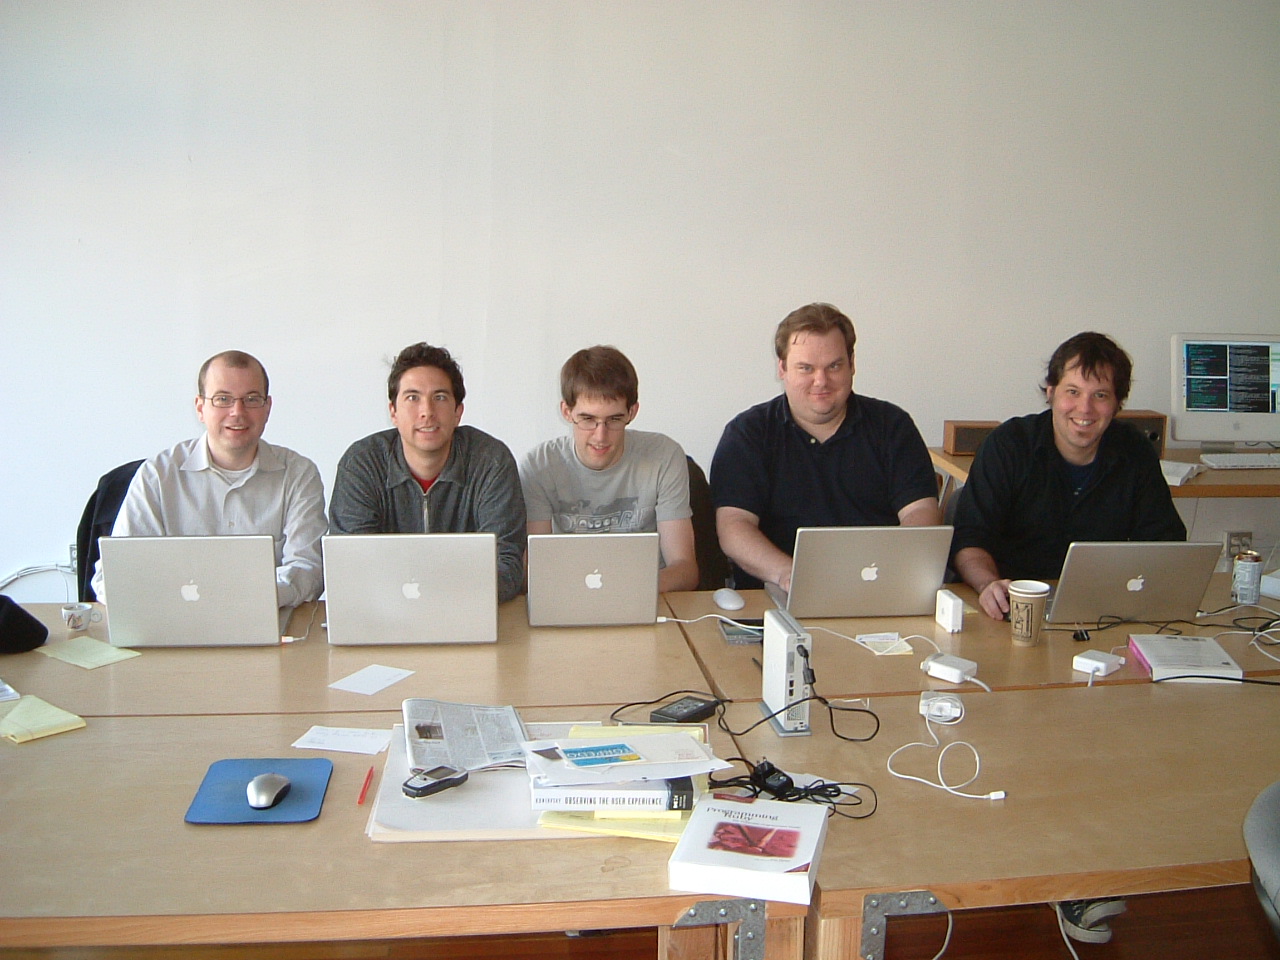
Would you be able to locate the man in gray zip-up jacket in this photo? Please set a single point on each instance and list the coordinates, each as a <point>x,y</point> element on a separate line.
<point>428,474</point>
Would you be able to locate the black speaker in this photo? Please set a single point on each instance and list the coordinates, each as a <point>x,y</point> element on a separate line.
<point>1150,424</point>
<point>963,436</point>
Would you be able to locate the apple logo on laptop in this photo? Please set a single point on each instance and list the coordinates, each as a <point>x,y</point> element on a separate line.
<point>870,573</point>
<point>411,590</point>
<point>190,591</point>
<point>1136,584</point>
<point>594,580</point>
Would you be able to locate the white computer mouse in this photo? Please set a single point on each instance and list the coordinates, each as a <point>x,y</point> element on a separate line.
<point>728,599</point>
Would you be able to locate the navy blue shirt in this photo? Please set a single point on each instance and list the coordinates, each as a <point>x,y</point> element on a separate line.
<point>1020,503</point>
<point>870,468</point>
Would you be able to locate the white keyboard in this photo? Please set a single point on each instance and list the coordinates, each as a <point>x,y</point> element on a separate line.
<point>1241,461</point>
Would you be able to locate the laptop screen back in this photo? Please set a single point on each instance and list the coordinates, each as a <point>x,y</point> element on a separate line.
<point>593,579</point>
<point>190,591</point>
<point>867,571</point>
<point>1139,580</point>
<point>411,588</point>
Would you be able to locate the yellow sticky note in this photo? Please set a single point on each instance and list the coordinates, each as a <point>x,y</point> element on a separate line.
<point>32,718</point>
<point>85,652</point>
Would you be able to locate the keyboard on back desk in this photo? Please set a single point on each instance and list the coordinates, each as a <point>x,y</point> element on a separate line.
<point>1241,461</point>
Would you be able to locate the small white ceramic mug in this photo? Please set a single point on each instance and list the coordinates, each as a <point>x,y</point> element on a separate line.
<point>78,616</point>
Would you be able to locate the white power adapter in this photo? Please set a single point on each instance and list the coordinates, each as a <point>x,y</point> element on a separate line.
<point>943,666</point>
<point>949,612</point>
<point>1097,662</point>
<point>940,707</point>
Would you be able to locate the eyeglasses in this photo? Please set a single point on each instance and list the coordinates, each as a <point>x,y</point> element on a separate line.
<point>223,401</point>
<point>588,424</point>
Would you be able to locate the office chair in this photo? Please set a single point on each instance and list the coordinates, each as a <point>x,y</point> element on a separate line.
<point>713,565</point>
<point>1262,840</point>
<point>97,520</point>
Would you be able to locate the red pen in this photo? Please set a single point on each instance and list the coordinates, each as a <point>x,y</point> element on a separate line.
<point>364,790</point>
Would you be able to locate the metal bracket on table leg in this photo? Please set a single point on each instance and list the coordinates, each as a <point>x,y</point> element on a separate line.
<point>877,908</point>
<point>749,915</point>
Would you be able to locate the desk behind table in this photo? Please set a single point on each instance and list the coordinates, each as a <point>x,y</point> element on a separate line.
<point>528,666</point>
<point>845,669</point>
<point>954,468</point>
<point>1115,790</point>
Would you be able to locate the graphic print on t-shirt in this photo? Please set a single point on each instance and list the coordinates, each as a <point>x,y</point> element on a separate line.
<point>620,516</point>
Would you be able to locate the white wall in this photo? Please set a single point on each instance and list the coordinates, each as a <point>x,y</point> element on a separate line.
<point>323,183</point>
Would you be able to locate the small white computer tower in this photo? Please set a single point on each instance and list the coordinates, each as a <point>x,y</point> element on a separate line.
<point>787,649</point>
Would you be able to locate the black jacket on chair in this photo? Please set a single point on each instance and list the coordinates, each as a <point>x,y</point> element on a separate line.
<point>97,520</point>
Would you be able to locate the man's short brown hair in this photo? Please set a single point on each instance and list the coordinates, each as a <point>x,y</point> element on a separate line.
<point>238,360</point>
<point>599,372</point>
<point>425,355</point>
<point>819,318</point>
<point>1097,355</point>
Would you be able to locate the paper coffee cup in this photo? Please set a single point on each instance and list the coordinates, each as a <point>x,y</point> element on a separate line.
<point>1026,610</point>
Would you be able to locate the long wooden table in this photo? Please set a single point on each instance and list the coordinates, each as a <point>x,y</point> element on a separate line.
<point>95,852</point>
<point>846,669</point>
<point>1112,790</point>
<point>528,666</point>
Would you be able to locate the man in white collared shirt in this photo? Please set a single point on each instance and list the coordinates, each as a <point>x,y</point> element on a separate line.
<point>229,481</point>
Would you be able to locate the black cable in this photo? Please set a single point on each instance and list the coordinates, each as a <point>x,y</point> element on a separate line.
<point>1202,676</point>
<point>667,696</point>
<point>765,778</point>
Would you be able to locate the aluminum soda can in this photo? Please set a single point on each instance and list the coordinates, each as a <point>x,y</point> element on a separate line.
<point>1246,577</point>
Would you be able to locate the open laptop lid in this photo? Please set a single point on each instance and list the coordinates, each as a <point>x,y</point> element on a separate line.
<point>411,588</point>
<point>1154,581</point>
<point>190,591</point>
<point>593,579</point>
<point>867,571</point>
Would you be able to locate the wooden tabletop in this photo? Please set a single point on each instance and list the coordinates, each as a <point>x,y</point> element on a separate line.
<point>96,851</point>
<point>1114,790</point>
<point>1211,483</point>
<point>846,669</point>
<point>528,666</point>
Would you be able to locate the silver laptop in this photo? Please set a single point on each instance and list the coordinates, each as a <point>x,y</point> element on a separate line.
<point>190,591</point>
<point>593,579</point>
<point>1140,580</point>
<point>411,588</point>
<point>865,571</point>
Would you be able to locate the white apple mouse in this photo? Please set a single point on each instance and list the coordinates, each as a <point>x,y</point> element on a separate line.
<point>266,790</point>
<point>728,599</point>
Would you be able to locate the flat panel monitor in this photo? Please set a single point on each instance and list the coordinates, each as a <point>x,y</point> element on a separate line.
<point>1225,388</point>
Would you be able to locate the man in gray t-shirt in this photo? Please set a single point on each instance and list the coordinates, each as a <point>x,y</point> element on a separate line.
<point>604,478</point>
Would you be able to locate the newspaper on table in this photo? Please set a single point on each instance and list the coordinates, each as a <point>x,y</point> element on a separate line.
<point>466,736</point>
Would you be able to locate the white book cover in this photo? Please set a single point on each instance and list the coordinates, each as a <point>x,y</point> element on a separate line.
<point>1187,658</point>
<point>763,849</point>
<point>646,796</point>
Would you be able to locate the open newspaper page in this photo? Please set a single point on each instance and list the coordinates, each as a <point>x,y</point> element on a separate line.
<point>467,736</point>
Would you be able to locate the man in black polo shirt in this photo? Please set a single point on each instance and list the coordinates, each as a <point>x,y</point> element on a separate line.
<point>818,455</point>
<point>1072,472</point>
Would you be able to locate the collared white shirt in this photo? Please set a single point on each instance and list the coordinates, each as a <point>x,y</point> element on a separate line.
<point>179,493</point>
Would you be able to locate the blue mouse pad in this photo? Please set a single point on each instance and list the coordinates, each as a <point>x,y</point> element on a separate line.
<point>222,797</point>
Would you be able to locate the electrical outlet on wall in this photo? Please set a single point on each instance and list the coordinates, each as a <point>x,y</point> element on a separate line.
<point>1237,540</point>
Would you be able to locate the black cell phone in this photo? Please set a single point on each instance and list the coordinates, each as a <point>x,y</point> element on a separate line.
<point>423,783</point>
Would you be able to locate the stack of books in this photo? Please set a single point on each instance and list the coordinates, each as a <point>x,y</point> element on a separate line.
<point>633,781</point>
